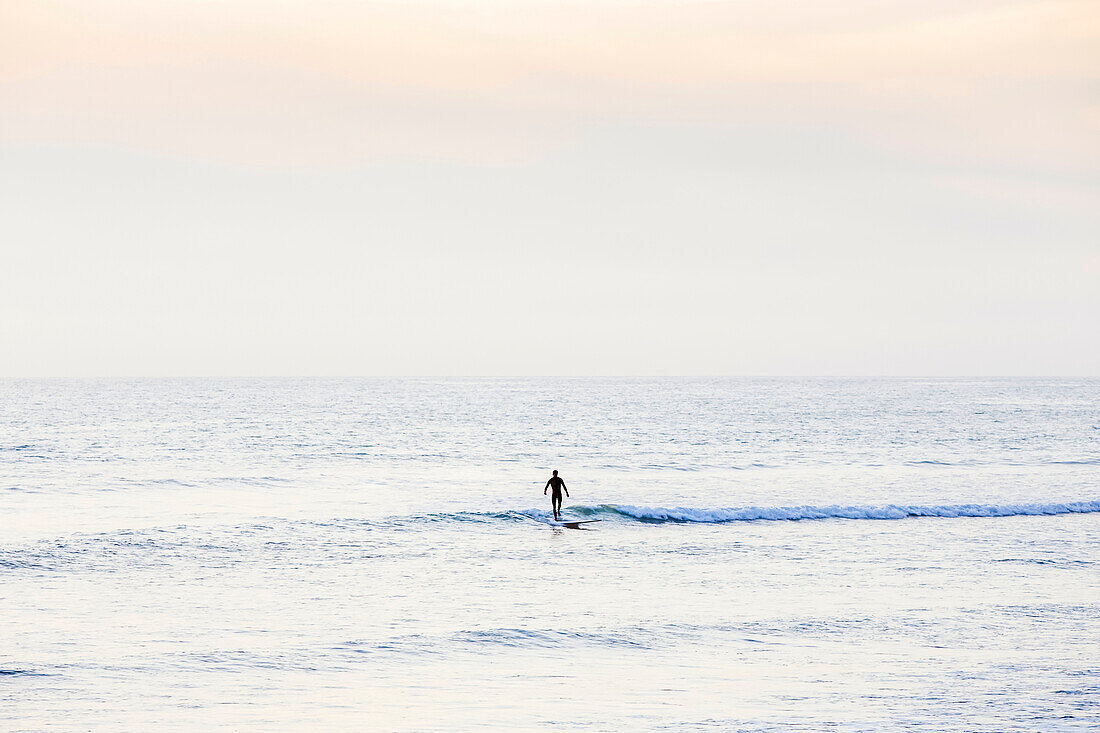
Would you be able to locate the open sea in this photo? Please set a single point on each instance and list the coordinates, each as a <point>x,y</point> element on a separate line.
<point>377,554</point>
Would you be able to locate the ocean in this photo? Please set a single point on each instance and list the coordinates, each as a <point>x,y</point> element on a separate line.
<point>377,554</point>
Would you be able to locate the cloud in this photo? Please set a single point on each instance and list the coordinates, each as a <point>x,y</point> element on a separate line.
<point>330,82</point>
<point>443,186</point>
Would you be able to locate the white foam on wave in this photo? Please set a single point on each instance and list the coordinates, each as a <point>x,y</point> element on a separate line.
<point>793,513</point>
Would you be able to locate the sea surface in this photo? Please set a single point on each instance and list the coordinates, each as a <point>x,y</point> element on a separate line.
<point>377,554</point>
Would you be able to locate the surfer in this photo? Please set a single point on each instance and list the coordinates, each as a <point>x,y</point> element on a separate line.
<point>558,486</point>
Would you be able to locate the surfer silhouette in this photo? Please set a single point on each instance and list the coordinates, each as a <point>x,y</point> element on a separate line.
<point>558,486</point>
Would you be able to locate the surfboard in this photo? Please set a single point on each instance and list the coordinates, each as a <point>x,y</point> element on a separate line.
<point>571,524</point>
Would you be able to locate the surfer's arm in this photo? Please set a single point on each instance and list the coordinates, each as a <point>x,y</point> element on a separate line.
<point>545,488</point>
<point>564,489</point>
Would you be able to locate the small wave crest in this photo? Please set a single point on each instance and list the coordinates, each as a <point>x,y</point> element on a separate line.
<point>697,515</point>
<point>517,638</point>
<point>797,513</point>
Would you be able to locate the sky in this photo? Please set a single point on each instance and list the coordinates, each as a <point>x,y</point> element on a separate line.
<point>549,187</point>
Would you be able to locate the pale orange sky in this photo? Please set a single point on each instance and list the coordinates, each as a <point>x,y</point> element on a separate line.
<point>917,180</point>
<point>239,81</point>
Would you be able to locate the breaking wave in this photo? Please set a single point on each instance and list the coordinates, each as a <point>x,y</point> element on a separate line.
<point>798,513</point>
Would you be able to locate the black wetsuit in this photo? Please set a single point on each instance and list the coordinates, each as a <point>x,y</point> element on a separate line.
<point>555,484</point>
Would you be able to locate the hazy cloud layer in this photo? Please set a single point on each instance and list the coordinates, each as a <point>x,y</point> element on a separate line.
<point>549,187</point>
